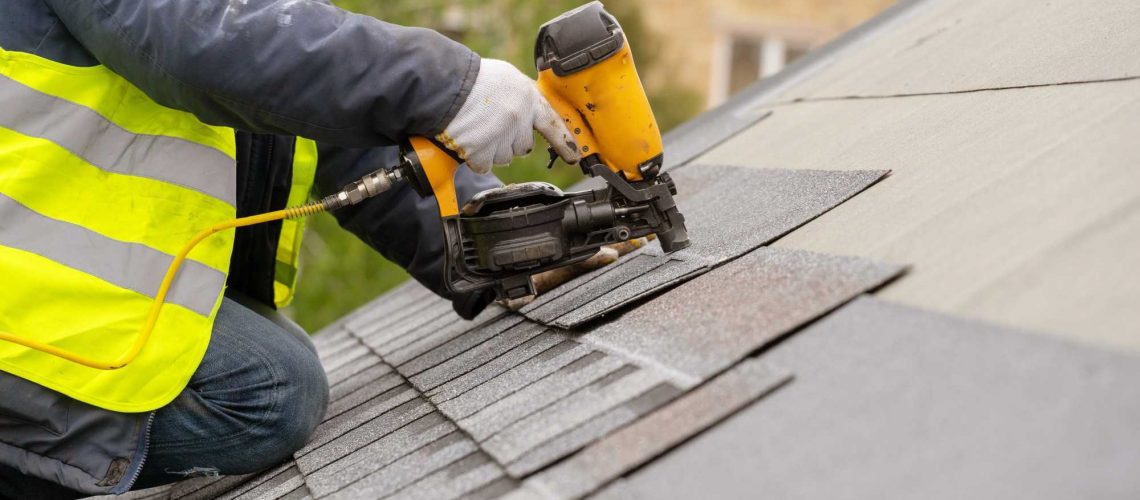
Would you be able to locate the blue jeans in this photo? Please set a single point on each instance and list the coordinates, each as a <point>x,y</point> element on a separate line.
<point>256,398</point>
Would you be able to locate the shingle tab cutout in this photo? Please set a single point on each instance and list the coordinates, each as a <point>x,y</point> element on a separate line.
<point>728,210</point>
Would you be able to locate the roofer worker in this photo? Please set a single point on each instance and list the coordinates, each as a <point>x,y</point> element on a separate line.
<point>126,126</point>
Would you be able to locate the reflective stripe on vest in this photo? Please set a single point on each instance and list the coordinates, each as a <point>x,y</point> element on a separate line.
<point>289,244</point>
<point>99,187</point>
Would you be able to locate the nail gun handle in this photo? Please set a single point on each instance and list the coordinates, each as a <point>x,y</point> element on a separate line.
<point>434,167</point>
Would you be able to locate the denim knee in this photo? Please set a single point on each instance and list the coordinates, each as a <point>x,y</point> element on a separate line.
<point>300,399</point>
<point>256,398</point>
<point>304,398</point>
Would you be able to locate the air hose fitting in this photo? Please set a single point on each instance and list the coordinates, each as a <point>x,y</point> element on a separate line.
<point>366,187</point>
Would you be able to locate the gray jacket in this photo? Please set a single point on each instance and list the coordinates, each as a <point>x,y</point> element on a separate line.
<point>272,69</point>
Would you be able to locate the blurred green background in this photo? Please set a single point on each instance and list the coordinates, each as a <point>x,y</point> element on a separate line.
<point>339,272</point>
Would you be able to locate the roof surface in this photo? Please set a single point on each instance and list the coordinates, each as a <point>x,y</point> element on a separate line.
<point>835,330</point>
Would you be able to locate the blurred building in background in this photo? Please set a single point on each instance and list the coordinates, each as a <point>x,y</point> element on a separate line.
<point>718,47</point>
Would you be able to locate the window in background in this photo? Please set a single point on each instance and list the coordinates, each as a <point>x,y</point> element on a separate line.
<point>739,60</point>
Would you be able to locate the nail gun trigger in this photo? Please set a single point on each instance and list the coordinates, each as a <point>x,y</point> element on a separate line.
<point>553,158</point>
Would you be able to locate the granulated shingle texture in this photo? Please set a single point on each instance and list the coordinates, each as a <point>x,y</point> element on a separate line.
<point>610,457</point>
<point>891,400</point>
<point>711,322</point>
<point>728,211</point>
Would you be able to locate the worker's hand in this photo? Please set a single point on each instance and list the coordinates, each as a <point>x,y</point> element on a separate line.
<point>546,281</point>
<point>495,123</point>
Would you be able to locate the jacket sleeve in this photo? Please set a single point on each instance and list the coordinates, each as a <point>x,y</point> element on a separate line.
<point>399,224</point>
<point>292,67</point>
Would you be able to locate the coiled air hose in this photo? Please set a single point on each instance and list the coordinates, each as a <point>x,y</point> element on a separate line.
<point>366,187</point>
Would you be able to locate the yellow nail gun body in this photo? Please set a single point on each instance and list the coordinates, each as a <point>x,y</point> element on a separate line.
<point>503,236</point>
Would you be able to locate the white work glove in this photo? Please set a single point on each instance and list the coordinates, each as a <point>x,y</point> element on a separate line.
<point>495,124</point>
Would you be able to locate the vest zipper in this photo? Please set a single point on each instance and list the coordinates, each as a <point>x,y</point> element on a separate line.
<point>125,487</point>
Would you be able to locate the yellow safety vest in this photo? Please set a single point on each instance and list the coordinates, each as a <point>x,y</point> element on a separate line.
<point>99,187</point>
<point>289,244</point>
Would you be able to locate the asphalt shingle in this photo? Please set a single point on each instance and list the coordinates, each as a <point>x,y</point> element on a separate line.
<point>411,468</point>
<point>470,473</point>
<point>709,323</point>
<point>609,458</point>
<point>592,429</point>
<point>889,398</point>
<point>352,368</point>
<point>399,399</point>
<point>278,485</point>
<point>400,439</point>
<point>569,412</point>
<point>519,377</point>
<point>359,381</point>
<point>495,367</point>
<point>462,342</point>
<point>532,398</point>
<point>476,356</point>
<point>729,211</point>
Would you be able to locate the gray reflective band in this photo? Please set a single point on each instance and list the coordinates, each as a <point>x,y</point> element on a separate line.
<point>102,143</point>
<point>128,265</point>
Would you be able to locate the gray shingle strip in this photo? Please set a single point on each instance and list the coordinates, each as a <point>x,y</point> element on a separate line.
<point>475,356</point>
<point>410,335</point>
<point>362,415</point>
<point>409,468</point>
<point>352,368</point>
<point>403,298</point>
<point>363,435</point>
<point>276,486</point>
<point>497,366</point>
<point>202,488</point>
<point>148,494</point>
<point>549,306</point>
<point>357,381</point>
<point>381,332</point>
<point>729,211</point>
<point>707,324</point>
<point>461,343</point>
<point>612,390</point>
<point>674,269</point>
<point>344,356</point>
<point>468,474</point>
<point>740,209</point>
<point>330,342</point>
<point>592,430</point>
<point>521,376</point>
<point>611,457</point>
<point>300,493</point>
<point>363,394</point>
<point>380,453</point>
<point>493,490</point>
<point>430,339</point>
<point>532,398</point>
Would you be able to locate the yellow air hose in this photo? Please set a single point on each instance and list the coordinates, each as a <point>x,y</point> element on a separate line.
<point>367,187</point>
<point>160,297</point>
